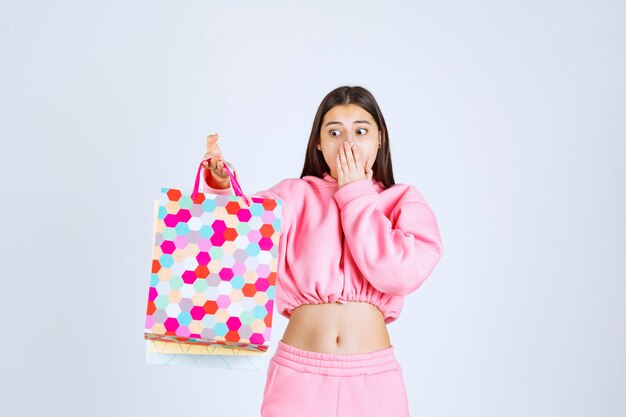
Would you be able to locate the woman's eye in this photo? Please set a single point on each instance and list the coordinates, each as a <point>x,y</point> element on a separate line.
<point>362,129</point>
<point>331,132</point>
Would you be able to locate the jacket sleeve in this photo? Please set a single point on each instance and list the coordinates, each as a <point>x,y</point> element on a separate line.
<point>395,257</point>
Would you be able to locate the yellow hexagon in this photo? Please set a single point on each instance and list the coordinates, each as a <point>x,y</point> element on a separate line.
<point>158,328</point>
<point>172,207</point>
<point>174,296</point>
<point>258,326</point>
<point>198,299</point>
<point>164,274</point>
<point>196,326</point>
<point>260,298</point>
<point>215,265</point>
<point>250,276</point>
<point>236,295</point>
<point>221,315</point>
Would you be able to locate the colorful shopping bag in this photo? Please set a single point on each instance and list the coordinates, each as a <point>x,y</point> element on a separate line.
<point>214,268</point>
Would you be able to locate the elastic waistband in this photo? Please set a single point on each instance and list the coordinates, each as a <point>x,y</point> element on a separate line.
<point>335,364</point>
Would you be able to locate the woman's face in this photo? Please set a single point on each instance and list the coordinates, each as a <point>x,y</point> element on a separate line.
<point>348,122</point>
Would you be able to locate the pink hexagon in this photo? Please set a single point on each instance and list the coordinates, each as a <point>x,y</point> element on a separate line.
<point>263,271</point>
<point>268,217</point>
<point>262,284</point>
<point>217,239</point>
<point>239,268</point>
<point>205,245</point>
<point>233,323</point>
<point>203,258</point>
<point>197,312</point>
<point>183,331</point>
<point>257,338</point>
<point>181,242</point>
<point>223,301</point>
<point>183,215</point>
<point>244,215</point>
<point>167,246</point>
<point>171,324</point>
<point>266,243</point>
<point>218,226</point>
<point>189,277</point>
<point>152,294</point>
<point>226,274</point>
<point>170,220</point>
<point>254,236</point>
<point>268,306</point>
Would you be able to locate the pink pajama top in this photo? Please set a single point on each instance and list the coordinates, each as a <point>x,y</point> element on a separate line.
<point>355,243</point>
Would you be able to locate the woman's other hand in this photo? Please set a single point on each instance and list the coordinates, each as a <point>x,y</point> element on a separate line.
<point>219,177</point>
<point>350,167</point>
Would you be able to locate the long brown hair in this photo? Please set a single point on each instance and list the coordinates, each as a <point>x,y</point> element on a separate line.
<point>314,163</point>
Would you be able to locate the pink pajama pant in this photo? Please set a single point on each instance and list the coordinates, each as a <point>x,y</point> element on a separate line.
<point>303,383</point>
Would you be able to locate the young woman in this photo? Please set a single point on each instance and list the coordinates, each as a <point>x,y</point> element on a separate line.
<point>353,244</point>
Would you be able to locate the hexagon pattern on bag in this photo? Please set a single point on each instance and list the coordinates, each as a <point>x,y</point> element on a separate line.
<point>213,270</point>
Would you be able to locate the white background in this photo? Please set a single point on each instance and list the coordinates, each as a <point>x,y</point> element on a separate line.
<point>508,116</point>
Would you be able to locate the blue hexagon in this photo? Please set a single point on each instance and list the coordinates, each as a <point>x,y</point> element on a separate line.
<point>162,212</point>
<point>184,318</point>
<point>237,282</point>
<point>154,280</point>
<point>253,249</point>
<point>209,205</point>
<point>259,312</point>
<point>206,231</point>
<point>182,229</point>
<point>220,329</point>
<point>166,260</point>
<point>257,209</point>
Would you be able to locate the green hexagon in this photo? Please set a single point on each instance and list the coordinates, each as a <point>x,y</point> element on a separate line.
<point>200,285</point>
<point>216,252</point>
<point>242,229</point>
<point>246,318</point>
<point>176,282</point>
<point>185,202</point>
<point>161,301</point>
<point>169,233</point>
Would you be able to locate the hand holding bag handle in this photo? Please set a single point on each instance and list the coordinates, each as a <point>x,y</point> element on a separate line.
<point>233,181</point>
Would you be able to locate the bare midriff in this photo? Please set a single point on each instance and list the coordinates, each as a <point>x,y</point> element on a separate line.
<point>339,328</point>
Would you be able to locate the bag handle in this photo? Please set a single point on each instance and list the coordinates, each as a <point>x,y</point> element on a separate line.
<point>233,182</point>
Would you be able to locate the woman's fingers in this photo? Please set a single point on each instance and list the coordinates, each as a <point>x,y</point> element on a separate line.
<point>350,156</point>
